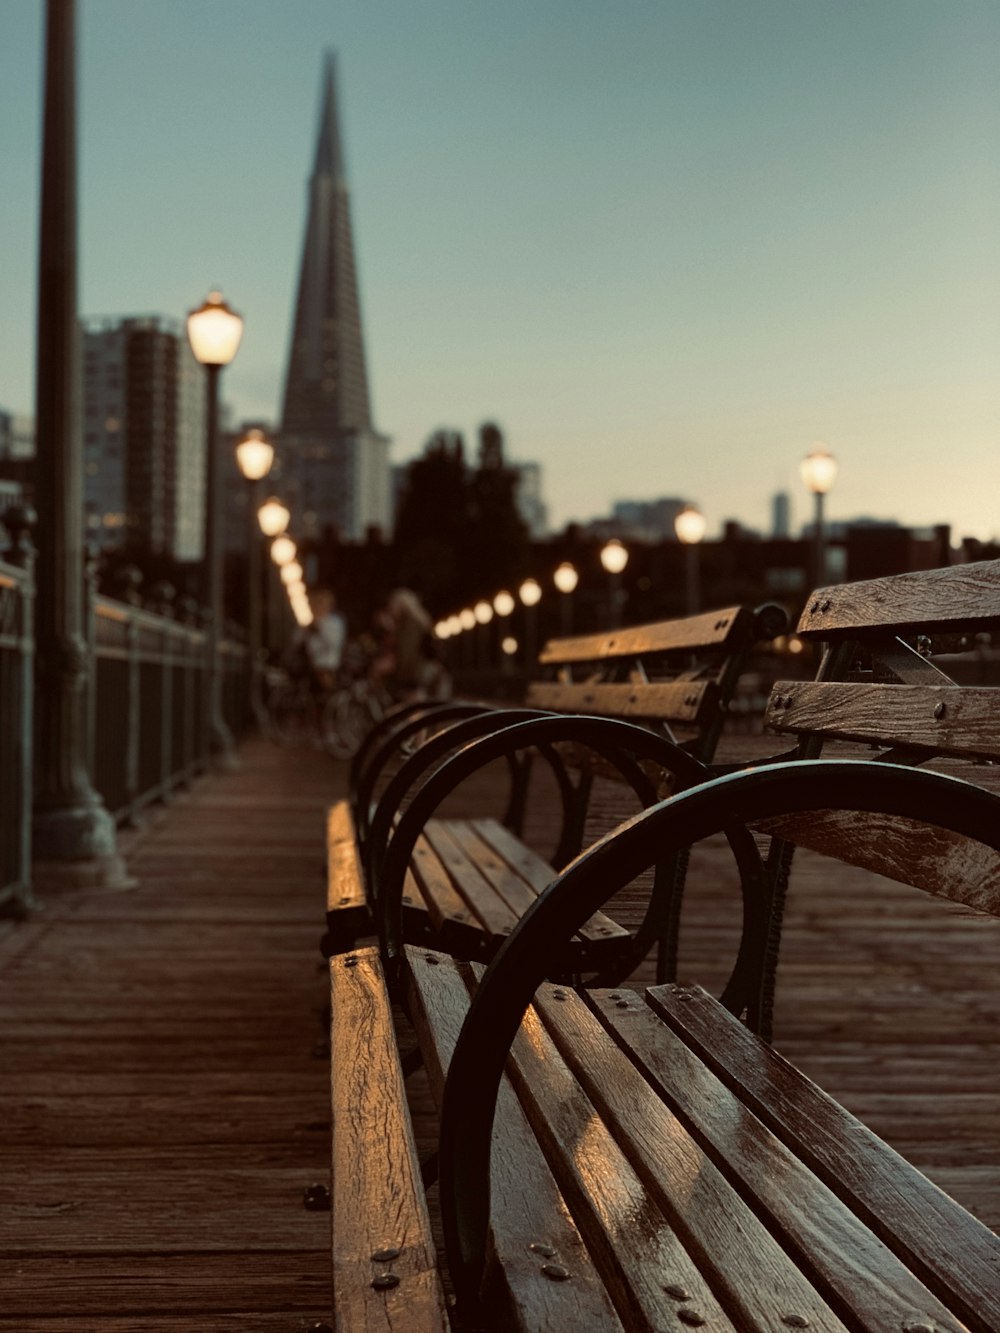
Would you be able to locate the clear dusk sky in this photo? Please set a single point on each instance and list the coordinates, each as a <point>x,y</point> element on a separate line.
<point>666,244</point>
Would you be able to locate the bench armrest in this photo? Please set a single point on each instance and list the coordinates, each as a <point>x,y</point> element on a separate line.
<point>623,744</point>
<point>521,965</point>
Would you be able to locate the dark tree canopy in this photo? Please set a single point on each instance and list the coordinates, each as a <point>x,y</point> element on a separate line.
<point>459,536</point>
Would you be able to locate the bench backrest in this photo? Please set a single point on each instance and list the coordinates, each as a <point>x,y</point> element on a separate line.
<point>878,686</point>
<point>680,673</point>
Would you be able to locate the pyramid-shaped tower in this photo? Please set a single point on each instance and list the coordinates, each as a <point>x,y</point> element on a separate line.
<point>337,467</point>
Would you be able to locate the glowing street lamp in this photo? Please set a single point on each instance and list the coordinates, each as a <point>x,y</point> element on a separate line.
<point>291,573</point>
<point>254,455</point>
<point>467,617</point>
<point>530,592</point>
<point>273,517</point>
<point>503,604</point>
<point>214,332</point>
<point>819,472</point>
<point>614,558</point>
<point>283,550</point>
<point>690,526</point>
<point>483,612</point>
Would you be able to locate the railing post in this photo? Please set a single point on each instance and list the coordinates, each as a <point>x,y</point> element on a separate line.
<point>16,896</point>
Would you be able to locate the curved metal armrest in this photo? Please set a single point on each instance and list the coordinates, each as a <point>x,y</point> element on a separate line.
<point>522,962</point>
<point>624,744</point>
<point>390,745</point>
<point>470,726</point>
<point>377,734</point>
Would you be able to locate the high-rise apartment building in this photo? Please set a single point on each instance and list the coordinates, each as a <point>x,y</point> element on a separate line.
<point>143,436</point>
<point>337,464</point>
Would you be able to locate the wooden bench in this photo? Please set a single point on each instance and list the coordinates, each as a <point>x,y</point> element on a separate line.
<point>468,882</point>
<point>619,1160</point>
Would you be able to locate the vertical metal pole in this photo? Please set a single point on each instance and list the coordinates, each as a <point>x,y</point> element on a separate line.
<point>220,741</point>
<point>74,836</point>
<point>19,523</point>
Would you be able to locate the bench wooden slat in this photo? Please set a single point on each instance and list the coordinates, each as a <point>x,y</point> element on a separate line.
<point>347,914</point>
<point>455,926</point>
<point>903,1208</point>
<point>935,860</point>
<point>835,1248</point>
<point>712,629</point>
<point>929,600</point>
<point>377,1197</point>
<point>495,917</point>
<point>599,930</point>
<point>945,718</point>
<point>749,1272</point>
<point>669,701</point>
<point>498,852</point>
<point>638,1249</point>
<point>527,1207</point>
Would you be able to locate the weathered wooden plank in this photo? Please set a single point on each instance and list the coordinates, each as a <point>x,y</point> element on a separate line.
<point>669,701</point>
<point>932,859</point>
<point>600,929</point>
<point>711,629</point>
<point>456,927</point>
<point>199,1286</point>
<point>529,1222</point>
<point>901,1206</point>
<point>380,1224</point>
<point>961,595</point>
<point>836,1251</point>
<point>495,916</point>
<point>942,718</point>
<point>734,1257</point>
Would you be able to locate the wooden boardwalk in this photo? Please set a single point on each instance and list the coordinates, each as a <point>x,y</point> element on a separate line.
<point>163,1086</point>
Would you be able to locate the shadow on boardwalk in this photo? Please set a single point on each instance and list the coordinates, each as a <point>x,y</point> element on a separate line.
<point>164,1096</point>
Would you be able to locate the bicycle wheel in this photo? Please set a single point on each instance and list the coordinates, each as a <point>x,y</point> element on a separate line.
<point>288,719</point>
<point>347,718</point>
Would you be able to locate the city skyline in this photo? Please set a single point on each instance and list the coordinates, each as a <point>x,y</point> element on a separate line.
<point>666,248</point>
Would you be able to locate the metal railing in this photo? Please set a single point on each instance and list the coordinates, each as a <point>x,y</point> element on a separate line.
<point>17,594</point>
<point>146,724</point>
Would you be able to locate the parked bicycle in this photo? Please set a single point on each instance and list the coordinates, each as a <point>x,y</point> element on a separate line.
<point>297,713</point>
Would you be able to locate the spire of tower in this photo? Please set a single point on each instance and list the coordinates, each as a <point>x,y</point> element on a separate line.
<point>329,154</point>
<point>326,387</point>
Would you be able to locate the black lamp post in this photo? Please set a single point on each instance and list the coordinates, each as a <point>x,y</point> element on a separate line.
<point>614,558</point>
<point>690,526</point>
<point>819,472</point>
<point>214,332</point>
<point>74,839</point>
<point>566,578</point>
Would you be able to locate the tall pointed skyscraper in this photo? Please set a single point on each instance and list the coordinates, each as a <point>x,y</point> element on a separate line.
<point>337,463</point>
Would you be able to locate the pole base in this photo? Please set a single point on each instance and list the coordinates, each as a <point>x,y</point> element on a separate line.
<point>100,874</point>
<point>76,847</point>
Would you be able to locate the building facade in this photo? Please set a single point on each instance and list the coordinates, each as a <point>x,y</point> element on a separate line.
<point>143,436</point>
<point>336,464</point>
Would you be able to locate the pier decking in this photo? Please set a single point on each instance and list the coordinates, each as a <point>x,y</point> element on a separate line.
<point>163,1081</point>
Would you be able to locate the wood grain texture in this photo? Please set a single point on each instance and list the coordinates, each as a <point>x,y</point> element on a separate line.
<point>932,859</point>
<point>527,1208</point>
<point>709,630</point>
<point>956,1256</point>
<point>944,718</point>
<point>837,1251</point>
<point>961,596</point>
<point>748,1272</point>
<point>671,701</point>
<point>378,1205</point>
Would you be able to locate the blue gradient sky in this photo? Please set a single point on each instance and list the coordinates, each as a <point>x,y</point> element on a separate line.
<point>666,244</point>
